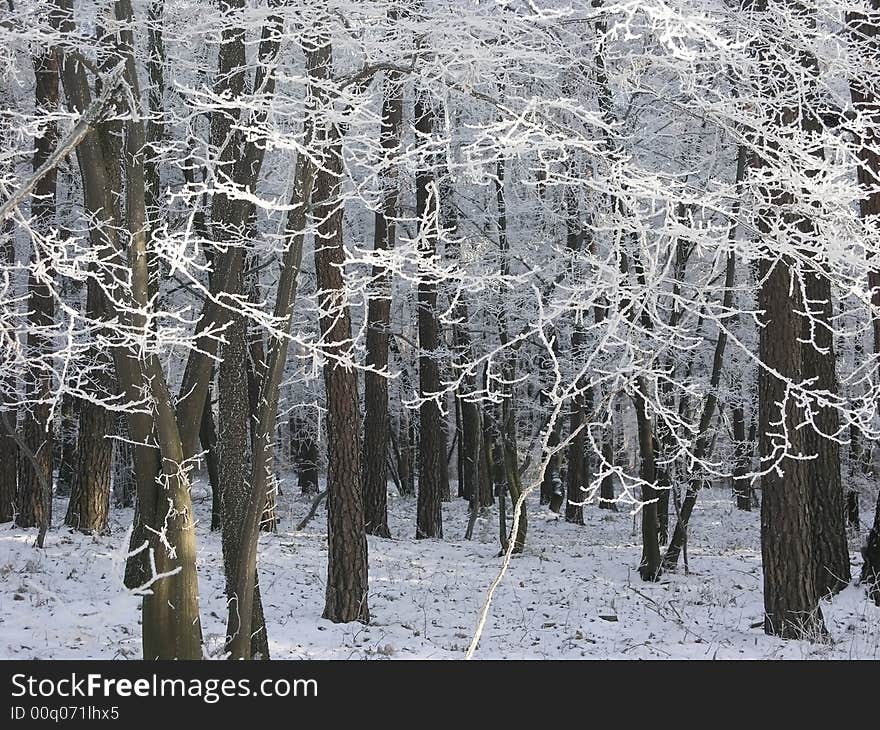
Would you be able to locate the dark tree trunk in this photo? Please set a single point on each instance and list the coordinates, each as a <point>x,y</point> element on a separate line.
<point>34,504</point>
<point>432,454</point>
<point>9,459</point>
<point>404,445</point>
<point>828,503</point>
<point>171,624</point>
<point>347,581</point>
<point>576,475</point>
<point>664,487</point>
<point>208,439</point>
<point>89,506</point>
<point>649,566</point>
<point>377,422</point>
<point>307,458</point>
<point>742,460</point>
<point>790,597</point>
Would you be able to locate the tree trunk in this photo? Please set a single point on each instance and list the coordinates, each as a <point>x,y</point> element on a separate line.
<point>429,519</point>
<point>828,503</point>
<point>8,447</point>
<point>790,597</point>
<point>208,439</point>
<point>307,456</point>
<point>377,423</point>
<point>171,624</point>
<point>34,504</point>
<point>649,566</point>
<point>234,469</point>
<point>89,506</point>
<point>742,460</point>
<point>347,581</point>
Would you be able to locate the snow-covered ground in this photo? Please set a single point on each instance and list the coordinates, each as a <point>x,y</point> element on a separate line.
<point>575,593</point>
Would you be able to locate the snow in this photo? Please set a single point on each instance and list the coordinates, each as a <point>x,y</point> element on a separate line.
<point>574,593</point>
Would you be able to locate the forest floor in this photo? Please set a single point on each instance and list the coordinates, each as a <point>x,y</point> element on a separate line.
<point>574,593</point>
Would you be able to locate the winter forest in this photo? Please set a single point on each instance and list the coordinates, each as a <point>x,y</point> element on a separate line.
<point>439,329</point>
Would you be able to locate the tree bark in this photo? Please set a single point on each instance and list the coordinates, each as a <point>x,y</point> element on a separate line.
<point>429,519</point>
<point>34,505</point>
<point>377,423</point>
<point>347,581</point>
<point>89,507</point>
<point>234,469</point>
<point>828,503</point>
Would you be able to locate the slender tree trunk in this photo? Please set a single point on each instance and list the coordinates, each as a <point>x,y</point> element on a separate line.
<point>208,438</point>
<point>34,505</point>
<point>377,423</point>
<point>649,566</point>
<point>234,469</point>
<point>8,447</point>
<point>703,445</point>
<point>742,460</point>
<point>429,519</point>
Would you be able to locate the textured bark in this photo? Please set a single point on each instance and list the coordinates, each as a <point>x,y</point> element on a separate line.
<point>34,505</point>
<point>828,503</point>
<point>256,374</point>
<point>377,422</point>
<point>790,597</point>
<point>234,469</point>
<point>347,582</point>
<point>89,507</point>
<point>432,454</point>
